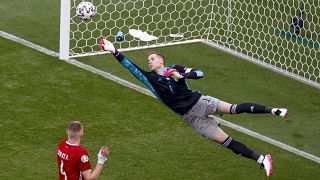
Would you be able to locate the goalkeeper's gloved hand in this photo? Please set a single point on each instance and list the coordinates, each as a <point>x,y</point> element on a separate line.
<point>169,72</point>
<point>107,45</point>
<point>103,154</point>
<point>173,73</point>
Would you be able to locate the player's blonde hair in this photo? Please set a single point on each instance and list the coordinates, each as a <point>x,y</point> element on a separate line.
<point>75,129</point>
<point>158,54</point>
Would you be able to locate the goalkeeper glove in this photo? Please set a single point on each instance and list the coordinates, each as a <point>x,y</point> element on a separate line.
<point>169,72</point>
<point>107,45</point>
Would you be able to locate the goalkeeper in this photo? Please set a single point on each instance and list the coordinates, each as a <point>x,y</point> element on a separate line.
<point>169,85</point>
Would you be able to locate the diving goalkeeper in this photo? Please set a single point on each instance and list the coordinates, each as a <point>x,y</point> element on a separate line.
<point>169,85</point>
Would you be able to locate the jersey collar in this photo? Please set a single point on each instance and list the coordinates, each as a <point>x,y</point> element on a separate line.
<point>71,144</point>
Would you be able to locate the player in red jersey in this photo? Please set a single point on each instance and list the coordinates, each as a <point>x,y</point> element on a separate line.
<point>73,160</point>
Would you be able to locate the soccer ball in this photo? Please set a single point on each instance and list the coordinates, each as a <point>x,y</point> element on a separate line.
<point>86,10</point>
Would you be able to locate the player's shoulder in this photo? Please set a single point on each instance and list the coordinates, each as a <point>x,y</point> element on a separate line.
<point>79,153</point>
<point>81,150</point>
<point>83,154</point>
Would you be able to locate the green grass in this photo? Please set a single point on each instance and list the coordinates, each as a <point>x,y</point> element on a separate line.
<point>36,21</point>
<point>40,95</point>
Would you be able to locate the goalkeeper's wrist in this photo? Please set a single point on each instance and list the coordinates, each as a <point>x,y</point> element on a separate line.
<point>116,53</point>
<point>184,75</point>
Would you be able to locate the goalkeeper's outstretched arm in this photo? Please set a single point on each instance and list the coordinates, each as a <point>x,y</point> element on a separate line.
<point>133,68</point>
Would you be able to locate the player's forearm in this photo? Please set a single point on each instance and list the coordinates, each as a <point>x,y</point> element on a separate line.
<point>189,73</point>
<point>118,55</point>
<point>133,68</point>
<point>95,173</point>
<point>193,74</point>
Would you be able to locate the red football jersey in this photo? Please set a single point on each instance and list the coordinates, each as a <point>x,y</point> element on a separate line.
<point>72,160</point>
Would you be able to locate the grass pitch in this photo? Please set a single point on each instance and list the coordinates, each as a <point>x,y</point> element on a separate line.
<point>40,95</point>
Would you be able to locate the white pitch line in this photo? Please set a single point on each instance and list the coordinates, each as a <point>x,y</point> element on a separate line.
<point>110,77</point>
<point>147,92</point>
<point>76,63</point>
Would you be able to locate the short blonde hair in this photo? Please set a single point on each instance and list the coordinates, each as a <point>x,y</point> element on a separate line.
<point>74,129</point>
<point>158,54</point>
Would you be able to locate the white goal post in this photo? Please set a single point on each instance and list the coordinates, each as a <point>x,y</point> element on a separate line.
<point>281,35</point>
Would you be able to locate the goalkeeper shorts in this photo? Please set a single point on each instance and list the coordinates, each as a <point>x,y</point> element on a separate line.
<point>199,117</point>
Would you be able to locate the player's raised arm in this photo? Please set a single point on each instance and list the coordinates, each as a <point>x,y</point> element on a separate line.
<point>102,157</point>
<point>139,73</point>
<point>133,68</point>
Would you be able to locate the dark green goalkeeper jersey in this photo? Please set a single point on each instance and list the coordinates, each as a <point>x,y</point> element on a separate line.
<point>174,94</point>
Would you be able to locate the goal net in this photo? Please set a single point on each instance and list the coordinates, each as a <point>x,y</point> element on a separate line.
<point>281,35</point>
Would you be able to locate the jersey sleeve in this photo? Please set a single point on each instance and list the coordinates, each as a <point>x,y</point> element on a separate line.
<point>140,74</point>
<point>186,72</point>
<point>133,68</point>
<point>84,163</point>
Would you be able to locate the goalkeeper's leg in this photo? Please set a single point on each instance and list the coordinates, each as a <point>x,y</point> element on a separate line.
<point>239,148</point>
<point>227,108</point>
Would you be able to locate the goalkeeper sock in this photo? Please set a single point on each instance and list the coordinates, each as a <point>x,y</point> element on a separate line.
<point>240,149</point>
<point>260,160</point>
<point>249,108</point>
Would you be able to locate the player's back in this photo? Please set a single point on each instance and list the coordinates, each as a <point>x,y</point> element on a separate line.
<point>72,159</point>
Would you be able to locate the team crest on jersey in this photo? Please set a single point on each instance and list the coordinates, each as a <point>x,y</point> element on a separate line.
<point>84,158</point>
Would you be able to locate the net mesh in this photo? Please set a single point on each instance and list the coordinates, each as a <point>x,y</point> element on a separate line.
<point>281,33</point>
